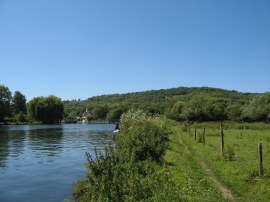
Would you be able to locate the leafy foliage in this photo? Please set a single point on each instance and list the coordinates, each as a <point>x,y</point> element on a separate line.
<point>133,170</point>
<point>21,117</point>
<point>193,104</point>
<point>18,103</point>
<point>258,109</point>
<point>5,98</point>
<point>100,112</point>
<point>48,110</point>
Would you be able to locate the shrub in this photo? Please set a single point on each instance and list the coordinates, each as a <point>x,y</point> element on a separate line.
<point>229,153</point>
<point>143,137</point>
<point>21,117</point>
<point>132,171</point>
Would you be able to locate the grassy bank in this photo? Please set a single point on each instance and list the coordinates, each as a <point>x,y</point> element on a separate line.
<point>238,168</point>
<point>156,160</point>
<point>135,169</point>
<point>148,164</point>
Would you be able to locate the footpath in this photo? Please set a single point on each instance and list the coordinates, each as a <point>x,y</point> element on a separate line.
<point>226,193</point>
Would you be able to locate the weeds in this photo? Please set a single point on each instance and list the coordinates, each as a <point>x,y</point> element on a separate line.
<point>133,170</point>
<point>229,154</point>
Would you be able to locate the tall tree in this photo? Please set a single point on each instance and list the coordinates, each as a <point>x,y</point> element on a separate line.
<point>259,108</point>
<point>48,110</point>
<point>116,112</point>
<point>100,112</point>
<point>18,103</point>
<point>5,98</point>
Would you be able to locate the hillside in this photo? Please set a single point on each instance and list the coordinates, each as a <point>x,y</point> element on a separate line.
<point>196,103</point>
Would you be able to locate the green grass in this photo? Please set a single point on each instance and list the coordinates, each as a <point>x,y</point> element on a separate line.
<point>240,172</point>
<point>190,179</point>
<point>156,161</point>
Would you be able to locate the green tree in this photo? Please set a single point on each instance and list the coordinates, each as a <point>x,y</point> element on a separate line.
<point>234,112</point>
<point>116,112</point>
<point>176,111</point>
<point>18,103</point>
<point>100,112</point>
<point>218,110</point>
<point>198,108</point>
<point>48,110</point>
<point>258,109</point>
<point>31,108</point>
<point>5,98</point>
<point>21,117</point>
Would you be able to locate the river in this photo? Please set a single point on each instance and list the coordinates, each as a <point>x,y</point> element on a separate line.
<point>41,162</point>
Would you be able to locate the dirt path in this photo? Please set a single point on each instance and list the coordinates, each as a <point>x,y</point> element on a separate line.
<point>227,194</point>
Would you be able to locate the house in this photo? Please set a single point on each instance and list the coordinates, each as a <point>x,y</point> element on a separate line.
<point>87,116</point>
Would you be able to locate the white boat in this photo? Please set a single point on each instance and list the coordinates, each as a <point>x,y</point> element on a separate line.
<point>116,131</point>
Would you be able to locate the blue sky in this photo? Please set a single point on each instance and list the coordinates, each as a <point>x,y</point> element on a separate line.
<point>79,49</point>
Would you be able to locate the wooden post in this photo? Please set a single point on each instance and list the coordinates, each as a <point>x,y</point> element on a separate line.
<point>203,136</point>
<point>260,159</point>
<point>222,139</point>
<point>195,134</point>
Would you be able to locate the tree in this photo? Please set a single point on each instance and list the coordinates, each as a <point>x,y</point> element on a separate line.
<point>21,117</point>
<point>198,108</point>
<point>176,111</point>
<point>18,103</point>
<point>48,110</point>
<point>218,110</point>
<point>115,113</point>
<point>258,109</point>
<point>100,112</point>
<point>234,112</point>
<point>5,98</point>
<point>31,108</point>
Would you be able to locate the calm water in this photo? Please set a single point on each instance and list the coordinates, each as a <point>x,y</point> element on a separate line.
<point>40,163</point>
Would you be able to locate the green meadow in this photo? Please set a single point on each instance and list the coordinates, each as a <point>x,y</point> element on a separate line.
<point>238,168</point>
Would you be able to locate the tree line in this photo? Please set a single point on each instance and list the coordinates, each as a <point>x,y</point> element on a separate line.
<point>181,104</point>
<point>48,110</point>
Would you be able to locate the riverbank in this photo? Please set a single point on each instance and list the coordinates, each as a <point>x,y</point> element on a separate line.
<point>133,170</point>
<point>40,123</point>
<point>156,159</point>
<point>20,123</point>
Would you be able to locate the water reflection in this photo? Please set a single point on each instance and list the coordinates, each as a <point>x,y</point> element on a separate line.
<point>45,142</point>
<point>40,163</point>
<point>3,146</point>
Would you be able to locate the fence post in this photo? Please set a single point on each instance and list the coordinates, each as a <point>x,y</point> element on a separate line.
<point>222,139</point>
<point>203,135</point>
<point>195,134</point>
<point>260,159</point>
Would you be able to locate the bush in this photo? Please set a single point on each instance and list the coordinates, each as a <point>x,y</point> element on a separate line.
<point>229,153</point>
<point>143,137</point>
<point>132,171</point>
<point>21,117</point>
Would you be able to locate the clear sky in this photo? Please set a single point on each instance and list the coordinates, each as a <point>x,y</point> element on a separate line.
<point>82,48</point>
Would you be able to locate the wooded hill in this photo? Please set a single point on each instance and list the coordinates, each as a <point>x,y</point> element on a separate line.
<point>194,104</point>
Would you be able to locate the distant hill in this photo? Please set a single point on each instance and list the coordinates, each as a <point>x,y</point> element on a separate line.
<point>196,103</point>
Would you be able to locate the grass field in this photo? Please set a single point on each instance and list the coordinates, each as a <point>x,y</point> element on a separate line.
<point>239,168</point>
<point>187,174</point>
